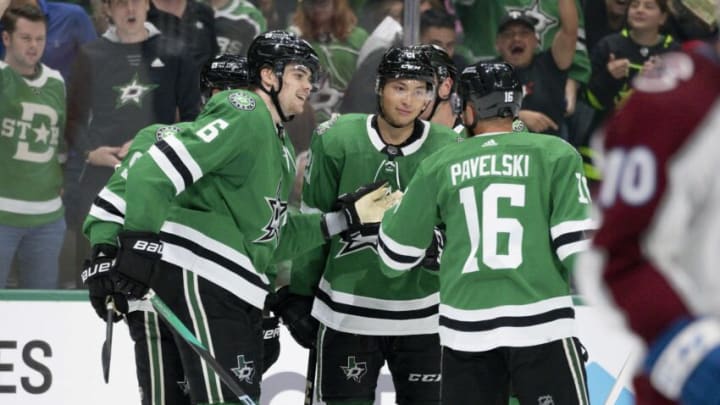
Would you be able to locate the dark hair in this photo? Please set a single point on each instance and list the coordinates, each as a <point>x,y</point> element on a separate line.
<point>26,11</point>
<point>436,18</point>
<point>663,5</point>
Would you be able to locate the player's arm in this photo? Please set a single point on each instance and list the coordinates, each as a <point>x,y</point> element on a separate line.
<point>570,222</point>
<point>408,229</point>
<point>172,165</point>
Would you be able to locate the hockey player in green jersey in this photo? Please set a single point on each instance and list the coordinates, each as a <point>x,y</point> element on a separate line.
<point>443,109</point>
<point>515,207</point>
<point>365,318</point>
<point>206,211</point>
<point>155,348</point>
<point>32,119</point>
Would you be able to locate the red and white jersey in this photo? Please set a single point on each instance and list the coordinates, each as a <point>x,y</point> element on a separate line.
<point>658,247</point>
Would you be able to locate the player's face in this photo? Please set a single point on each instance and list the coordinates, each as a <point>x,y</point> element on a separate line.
<point>129,16</point>
<point>516,44</point>
<point>403,100</point>
<point>645,15</point>
<point>297,84</point>
<point>25,46</point>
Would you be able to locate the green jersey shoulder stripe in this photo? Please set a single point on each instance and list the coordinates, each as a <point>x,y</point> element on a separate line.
<point>176,162</point>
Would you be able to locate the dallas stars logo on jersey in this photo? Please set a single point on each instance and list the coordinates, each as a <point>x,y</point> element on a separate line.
<point>242,101</point>
<point>359,240</point>
<point>132,92</point>
<point>278,207</point>
<point>245,369</point>
<point>164,132</point>
<point>354,370</point>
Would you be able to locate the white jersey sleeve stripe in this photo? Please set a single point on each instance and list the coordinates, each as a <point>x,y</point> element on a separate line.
<point>185,157</point>
<point>168,169</point>
<point>572,226</point>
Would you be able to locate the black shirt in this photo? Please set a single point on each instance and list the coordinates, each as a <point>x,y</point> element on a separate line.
<point>196,29</point>
<point>544,87</point>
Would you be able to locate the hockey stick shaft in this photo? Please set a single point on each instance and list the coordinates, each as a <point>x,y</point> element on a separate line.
<point>180,329</point>
<point>310,377</point>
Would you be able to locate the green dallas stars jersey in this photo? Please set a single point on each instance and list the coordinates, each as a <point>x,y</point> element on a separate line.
<point>217,193</point>
<point>516,208</point>
<point>32,118</point>
<point>107,213</point>
<point>353,296</point>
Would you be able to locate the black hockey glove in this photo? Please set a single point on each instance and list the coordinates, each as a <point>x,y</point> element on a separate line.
<point>271,341</point>
<point>360,210</point>
<point>294,310</point>
<point>97,276</point>
<point>431,261</point>
<point>137,257</point>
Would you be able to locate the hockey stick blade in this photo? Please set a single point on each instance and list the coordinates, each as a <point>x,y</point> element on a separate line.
<point>181,330</point>
<point>107,344</point>
<point>310,377</point>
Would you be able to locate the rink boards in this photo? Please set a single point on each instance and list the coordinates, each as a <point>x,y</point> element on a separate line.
<point>50,354</point>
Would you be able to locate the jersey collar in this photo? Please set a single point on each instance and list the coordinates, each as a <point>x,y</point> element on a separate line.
<point>405,149</point>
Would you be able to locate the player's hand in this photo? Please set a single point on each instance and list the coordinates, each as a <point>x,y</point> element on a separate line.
<point>368,203</point>
<point>96,275</point>
<point>137,257</point>
<point>294,310</point>
<point>684,362</point>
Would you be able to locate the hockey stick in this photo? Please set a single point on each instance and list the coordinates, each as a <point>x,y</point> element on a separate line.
<point>107,344</point>
<point>310,377</point>
<point>181,330</point>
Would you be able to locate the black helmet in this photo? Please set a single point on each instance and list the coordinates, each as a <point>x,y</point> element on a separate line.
<point>493,88</point>
<point>276,49</point>
<point>441,62</point>
<point>444,68</point>
<point>405,63</point>
<point>225,72</point>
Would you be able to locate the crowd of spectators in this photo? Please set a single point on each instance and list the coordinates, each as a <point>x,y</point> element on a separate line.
<point>99,70</point>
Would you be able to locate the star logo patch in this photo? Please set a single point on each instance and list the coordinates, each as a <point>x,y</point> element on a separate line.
<point>544,21</point>
<point>277,217</point>
<point>357,241</point>
<point>132,92</point>
<point>354,370</point>
<point>245,369</point>
<point>242,101</point>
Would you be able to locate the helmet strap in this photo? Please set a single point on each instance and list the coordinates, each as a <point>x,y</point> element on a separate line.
<point>274,96</point>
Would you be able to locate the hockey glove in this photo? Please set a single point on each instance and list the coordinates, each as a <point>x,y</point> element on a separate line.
<point>271,341</point>
<point>684,362</point>
<point>431,261</point>
<point>96,275</point>
<point>138,254</point>
<point>294,310</point>
<point>362,208</point>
